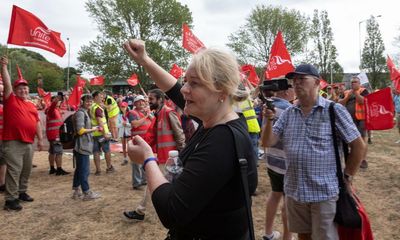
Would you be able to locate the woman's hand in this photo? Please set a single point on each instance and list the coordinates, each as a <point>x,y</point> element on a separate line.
<point>136,50</point>
<point>139,150</point>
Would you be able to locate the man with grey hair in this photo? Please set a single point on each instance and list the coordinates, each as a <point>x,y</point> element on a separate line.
<point>311,184</point>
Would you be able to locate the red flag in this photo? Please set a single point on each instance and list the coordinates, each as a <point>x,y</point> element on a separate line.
<point>176,71</point>
<point>394,72</point>
<point>322,83</point>
<point>190,41</point>
<point>19,73</point>
<point>379,110</point>
<point>251,74</point>
<point>396,84</point>
<point>41,92</point>
<point>98,80</point>
<point>28,30</point>
<point>279,62</point>
<point>75,97</point>
<point>47,99</point>
<point>133,80</point>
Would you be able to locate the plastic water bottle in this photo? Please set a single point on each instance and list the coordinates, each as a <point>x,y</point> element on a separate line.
<point>173,166</point>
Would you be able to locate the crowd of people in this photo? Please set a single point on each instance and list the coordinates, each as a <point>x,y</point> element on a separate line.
<point>203,117</point>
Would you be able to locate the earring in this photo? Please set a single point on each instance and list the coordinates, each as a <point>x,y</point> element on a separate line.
<point>221,100</point>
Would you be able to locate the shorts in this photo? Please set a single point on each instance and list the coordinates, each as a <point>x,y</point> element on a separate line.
<point>2,159</point>
<point>315,218</point>
<point>398,120</point>
<point>360,124</point>
<point>112,121</point>
<point>55,148</point>
<point>101,144</point>
<point>276,180</point>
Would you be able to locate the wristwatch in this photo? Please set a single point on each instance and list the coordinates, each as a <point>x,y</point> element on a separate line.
<point>348,177</point>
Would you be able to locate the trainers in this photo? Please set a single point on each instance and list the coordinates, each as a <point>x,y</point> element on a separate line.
<point>89,195</point>
<point>364,164</point>
<point>275,235</point>
<point>52,170</point>
<point>112,140</point>
<point>12,205</point>
<point>76,195</point>
<point>398,141</point>
<point>97,173</point>
<point>369,141</point>
<point>25,197</point>
<point>61,172</point>
<point>110,169</point>
<point>124,162</point>
<point>133,215</point>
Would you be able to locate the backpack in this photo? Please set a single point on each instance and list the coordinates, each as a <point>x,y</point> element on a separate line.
<point>67,133</point>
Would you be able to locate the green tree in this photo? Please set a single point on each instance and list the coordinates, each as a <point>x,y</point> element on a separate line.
<point>373,60</point>
<point>158,22</point>
<point>252,42</point>
<point>324,52</point>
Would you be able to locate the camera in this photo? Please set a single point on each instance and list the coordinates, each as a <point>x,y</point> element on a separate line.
<point>268,88</point>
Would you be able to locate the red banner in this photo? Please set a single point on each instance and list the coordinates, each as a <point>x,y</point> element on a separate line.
<point>75,97</point>
<point>394,72</point>
<point>249,71</point>
<point>190,41</point>
<point>28,30</point>
<point>379,110</point>
<point>96,81</point>
<point>176,71</point>
<point>133,80</point>
<point>279,62</point>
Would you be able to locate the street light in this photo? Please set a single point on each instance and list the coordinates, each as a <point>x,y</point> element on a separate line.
<point>359,34</point>
<point>69,54</point>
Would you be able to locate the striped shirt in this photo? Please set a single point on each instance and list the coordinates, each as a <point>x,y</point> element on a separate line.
<point>308,144</point>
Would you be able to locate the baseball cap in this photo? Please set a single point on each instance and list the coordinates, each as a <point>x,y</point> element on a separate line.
<point>123,104</point>
<point>138,98</point>
<point>19,82</point>
<point>304,69</point>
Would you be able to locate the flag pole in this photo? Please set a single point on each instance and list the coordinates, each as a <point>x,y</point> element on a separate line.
<point>69,54</point>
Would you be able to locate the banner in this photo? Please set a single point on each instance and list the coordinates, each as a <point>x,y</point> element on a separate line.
<point>75,97</point>
<point>97,81</point>
<point>189,41</point>
<point>28,30</point>
<point>279,62</point>
<point>250,71</point>
<point>133,80</point>
<point>394,72</point>
<point>379,110</point>
<point>176,71</point>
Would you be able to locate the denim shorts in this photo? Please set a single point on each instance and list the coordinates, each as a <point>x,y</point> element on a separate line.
<point>101,144</point>
<point>55,148</point>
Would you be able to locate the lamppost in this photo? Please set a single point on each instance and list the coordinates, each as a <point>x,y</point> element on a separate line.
<point>69,54</point>
<point>359,34</point>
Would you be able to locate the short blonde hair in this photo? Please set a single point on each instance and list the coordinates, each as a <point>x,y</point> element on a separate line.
<point>219,70</point>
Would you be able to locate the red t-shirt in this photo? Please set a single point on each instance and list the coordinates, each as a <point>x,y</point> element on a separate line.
<point>20,119</point>
<point>1,122</point>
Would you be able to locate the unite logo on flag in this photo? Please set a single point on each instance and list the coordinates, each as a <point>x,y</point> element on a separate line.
<point>189,41</point>
<point>377,109</point>
<point>40,34</point>
<point>277,60</point>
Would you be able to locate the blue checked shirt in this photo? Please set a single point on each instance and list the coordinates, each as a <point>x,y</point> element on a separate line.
<point>308,143</point>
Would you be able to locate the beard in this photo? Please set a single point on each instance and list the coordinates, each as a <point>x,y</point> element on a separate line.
<point>153,106</point>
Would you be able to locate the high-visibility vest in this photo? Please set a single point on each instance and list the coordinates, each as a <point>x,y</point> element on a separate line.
<point>142,129</point>
<point>94,120</point>
<point>165,135</point>
<point>1,121</point>
<point>251,118</point>
<point>112,109</point>
<point>53,122</point>
<point>359,107</point>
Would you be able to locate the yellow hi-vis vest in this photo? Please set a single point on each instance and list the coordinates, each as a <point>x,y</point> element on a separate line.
<point>94,120</point>
<point>251,118</point>
<point>112,109</point>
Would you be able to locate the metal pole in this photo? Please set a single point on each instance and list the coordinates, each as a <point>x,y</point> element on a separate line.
<point>69,56</point>
<point>331,74</point>
<point>359,38</point>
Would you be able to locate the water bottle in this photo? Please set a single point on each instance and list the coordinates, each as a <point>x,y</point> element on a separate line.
<point>173,166</point>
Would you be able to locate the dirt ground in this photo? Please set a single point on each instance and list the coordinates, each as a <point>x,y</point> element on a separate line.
<point>54,215</point>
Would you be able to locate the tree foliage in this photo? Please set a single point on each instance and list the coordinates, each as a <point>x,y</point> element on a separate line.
<point>252,42</point>
<point>157,22</point>
<point>324,52</point>
<point>373,60</point>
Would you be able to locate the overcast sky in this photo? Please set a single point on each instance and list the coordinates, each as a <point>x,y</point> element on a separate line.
<point>215,20</point>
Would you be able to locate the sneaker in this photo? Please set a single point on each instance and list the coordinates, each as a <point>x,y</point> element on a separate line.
<point>52,170</point>
<point>76,195</point>
<point>97,173</point>
<point>25,197</point>
<point>369,141</point>
<point>110,169</point>
<point>275,235</point>
<point>3,188</point>
<point>89,195</point>
<point>61,172</point>
<point>398,141</point>
<point>124,162</point>
<point>112,140</point>
<point>134,215</point>
<point>364,164</point>
<point>138,187</point>
<point>12,205</point>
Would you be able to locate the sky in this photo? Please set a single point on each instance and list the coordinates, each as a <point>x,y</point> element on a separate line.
<point>215,20</point>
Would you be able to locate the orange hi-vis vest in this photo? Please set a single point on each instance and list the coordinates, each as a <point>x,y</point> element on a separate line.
<point>142,129</point>
<point>53,122</point>
<point>359,108</point>
<point>165,135</point>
